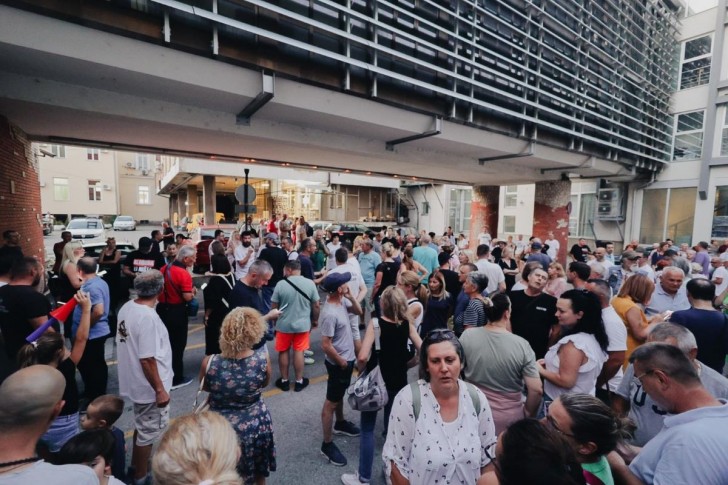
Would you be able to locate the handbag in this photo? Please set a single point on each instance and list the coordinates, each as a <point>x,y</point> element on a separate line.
<point>205,404</point>
<point>369,392</point>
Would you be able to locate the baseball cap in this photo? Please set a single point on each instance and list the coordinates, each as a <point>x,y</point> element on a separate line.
<point>333,281</point>
<point>630,255</point>
<point>272,236</point>
<point>536,245</point>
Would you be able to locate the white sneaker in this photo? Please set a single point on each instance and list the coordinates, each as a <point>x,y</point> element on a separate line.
<point>308,361</point>
<point>308,353</point>
<point>351,479</point>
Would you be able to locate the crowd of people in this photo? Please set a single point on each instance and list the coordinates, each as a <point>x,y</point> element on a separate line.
<point>608,369</point>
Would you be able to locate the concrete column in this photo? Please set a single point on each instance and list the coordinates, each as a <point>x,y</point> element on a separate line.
<point>193,206</point>
<point>182,204</point>
<point>173,209</point>
<point>484,212</point>
<point>208,198</point>
<point>550,213</point>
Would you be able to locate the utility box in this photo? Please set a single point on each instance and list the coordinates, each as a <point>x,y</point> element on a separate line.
<point>610,202</point>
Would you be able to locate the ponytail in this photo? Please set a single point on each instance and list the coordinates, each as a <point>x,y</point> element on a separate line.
<point>42,351</point>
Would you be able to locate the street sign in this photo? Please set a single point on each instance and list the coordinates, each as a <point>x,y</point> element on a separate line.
<point>240,194</point>
<point>245,209</point>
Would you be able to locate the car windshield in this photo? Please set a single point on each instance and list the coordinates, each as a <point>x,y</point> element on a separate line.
<point>84,224</point>
<point>124,218</point>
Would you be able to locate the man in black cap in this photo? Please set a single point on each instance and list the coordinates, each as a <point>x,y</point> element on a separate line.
<point>338,346</point>
<point>141,260</point>
<point>537,255</point>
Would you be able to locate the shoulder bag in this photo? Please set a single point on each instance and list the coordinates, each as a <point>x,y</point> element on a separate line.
<point>368,392</point>
<point>203,405</point>
<point>193,306</point>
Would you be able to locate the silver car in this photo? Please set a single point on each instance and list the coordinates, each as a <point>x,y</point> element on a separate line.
<point>124,223</point>
<point>86,228</point>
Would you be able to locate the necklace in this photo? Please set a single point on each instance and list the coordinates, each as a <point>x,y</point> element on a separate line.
<point>19,462</point>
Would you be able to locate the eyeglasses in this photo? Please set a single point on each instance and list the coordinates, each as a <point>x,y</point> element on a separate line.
<point>639,377</point>
<point>551,422</point>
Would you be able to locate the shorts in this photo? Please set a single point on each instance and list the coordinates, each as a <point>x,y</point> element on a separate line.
<point>339,380</point>
<point>149,422</point>
<point>299,341</point>
<point>367,304</point>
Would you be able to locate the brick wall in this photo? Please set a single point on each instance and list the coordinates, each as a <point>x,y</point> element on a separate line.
<point>484,212</point>
<point>20,207</point>
<point>550,213</point>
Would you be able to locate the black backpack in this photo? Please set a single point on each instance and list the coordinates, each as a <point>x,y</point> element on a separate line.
<point>309,230</point>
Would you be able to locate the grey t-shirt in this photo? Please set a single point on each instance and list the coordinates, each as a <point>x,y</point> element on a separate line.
<point>42,472</point>
<point>497,361</point>
<point>334,323</point>
<point>296,317</point>
<point>647,415</point>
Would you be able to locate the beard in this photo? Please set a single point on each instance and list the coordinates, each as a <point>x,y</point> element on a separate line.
<point>246,244</point>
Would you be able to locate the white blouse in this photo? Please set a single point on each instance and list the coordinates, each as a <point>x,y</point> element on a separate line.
<point>586,379</point>
<point>428,450</point>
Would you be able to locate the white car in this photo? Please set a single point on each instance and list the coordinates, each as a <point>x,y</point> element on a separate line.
<point>124,223</point>
<point>86,228</point>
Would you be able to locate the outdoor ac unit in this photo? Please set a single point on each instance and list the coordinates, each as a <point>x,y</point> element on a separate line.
<point>145,172</point>
<point>106,187</point>
<point>129,164</point>
<point>610,202</point>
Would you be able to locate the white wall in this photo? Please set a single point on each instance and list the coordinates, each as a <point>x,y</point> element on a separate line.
<point>438,198</point>
<point>523,211</point>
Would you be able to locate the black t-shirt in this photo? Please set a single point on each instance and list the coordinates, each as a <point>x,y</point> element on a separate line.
<point>393,354</point>
<point>244,295</point>
<point>389,272</point>
<point>18,305</point>
<point>306,266</point>
<point>579,252</point>
<point>217,290</point>
<point>532,318</point>
<point>140,262</point>
<point>452,282</point>
<point>13,253</point>
<point>277,258</point>
<point>70,393</point>
<point>168,236</point>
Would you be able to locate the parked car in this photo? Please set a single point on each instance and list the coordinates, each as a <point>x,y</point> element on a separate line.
<point>94,248</point>
<point>202,238</point>
<point>86,228</point>
<point>316,225</point>
<point>347,231</point>
<point>124,223</point>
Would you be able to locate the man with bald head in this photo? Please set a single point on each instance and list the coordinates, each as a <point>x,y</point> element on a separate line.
<point>32,398</point>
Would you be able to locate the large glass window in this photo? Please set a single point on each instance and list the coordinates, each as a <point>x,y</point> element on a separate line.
<point>143,195</point>
<point>509,224</point>
<point>583,210</point>
<point>511,199</point>
<point>720,213</point>
<point>724,136</point>
<point>94,190</point>
<point>60,189</point>
<point>668,214</point>
<point>688,136</point>
<point>459,210</point>
<point>142,161</point>
<point>695,66</point>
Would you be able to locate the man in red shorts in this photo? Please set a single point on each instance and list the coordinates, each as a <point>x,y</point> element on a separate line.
<point>298,300</point>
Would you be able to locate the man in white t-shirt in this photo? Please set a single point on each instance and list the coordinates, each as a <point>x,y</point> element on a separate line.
<point>31,399</point>
<point>496,278</point>
<point>484,237</point>
<point>145,367</point>
<point>720,275</point>
<point>554,246</point>
<point>611,375</point>
<point>244,255</point>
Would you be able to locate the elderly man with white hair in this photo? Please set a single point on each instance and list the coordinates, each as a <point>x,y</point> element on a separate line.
<point>670,294</point>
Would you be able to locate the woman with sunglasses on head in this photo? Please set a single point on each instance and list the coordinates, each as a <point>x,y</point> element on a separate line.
<point>575,361</point>
<point>441,428</point>
<point>499,363</point>
<point>591,429</point>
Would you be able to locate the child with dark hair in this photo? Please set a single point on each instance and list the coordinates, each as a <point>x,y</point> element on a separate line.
<point>102,413</point>
<point>93,448</point>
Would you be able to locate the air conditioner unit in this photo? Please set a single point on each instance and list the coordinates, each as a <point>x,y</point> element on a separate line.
<point>145,172</point>
<point>610,202</point>
<point>129,164</point>
<point>106,187</point>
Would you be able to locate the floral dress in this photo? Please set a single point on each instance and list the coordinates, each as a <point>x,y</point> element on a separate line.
<point>235,392</point>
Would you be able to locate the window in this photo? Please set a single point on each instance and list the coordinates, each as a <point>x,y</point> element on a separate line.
<point>459,210</point>
<point>60,189</point>
<point>142,161</point>
<point>511,199</point>
<point>59,151</point>
<point>94,190</point>
<point>724,136</point>
<point>695,66</point>
<point>92,153</point>
<point>668,213</point>
<point>509,224</point>
<point>583,207</point>
<point>688,136</point>
<point>143,195</point>
<point>720,213</point>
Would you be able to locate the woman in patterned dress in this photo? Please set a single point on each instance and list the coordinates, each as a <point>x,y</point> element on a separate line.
<point>235,381</point>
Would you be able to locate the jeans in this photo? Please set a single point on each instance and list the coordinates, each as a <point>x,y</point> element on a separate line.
<point>174,318</point>
<point>366,440</point>
<point>62,429</point>
<point>267,294</point>
<point>93,368</point>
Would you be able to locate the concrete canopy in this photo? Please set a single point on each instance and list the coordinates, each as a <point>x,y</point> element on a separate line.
<point>69,84</point>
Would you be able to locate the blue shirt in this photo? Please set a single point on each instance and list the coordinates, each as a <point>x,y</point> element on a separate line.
<point>689,449</point>
<point>662,301</point>
<point>711,333</point>
<point>98,291</point>
<point>427,257</point>
<point>368,263</point>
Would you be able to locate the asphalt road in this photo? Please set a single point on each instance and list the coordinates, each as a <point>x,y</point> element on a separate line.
<point>296,416</point>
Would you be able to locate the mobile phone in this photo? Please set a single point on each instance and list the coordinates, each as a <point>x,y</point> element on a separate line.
<point>203,286</point>
<point>283,307</point>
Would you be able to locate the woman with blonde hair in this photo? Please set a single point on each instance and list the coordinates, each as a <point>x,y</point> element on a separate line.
<point>409,264</point>
<point>417,296</point>
<point>465,256</point>
<point>439,306</point>
<point>70,281</point>
<point>196,449</point>
<point>633,298</point>
<point>385,275</point>
<point>556,283</point>
<point>235,379</point>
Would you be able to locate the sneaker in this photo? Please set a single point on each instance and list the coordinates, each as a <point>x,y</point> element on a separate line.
<point>308,361</point>
<point>351,479</point>
<point>334,455</point>
<point>283,385</point>
<point>300,386</point>
<point>346,428</point>
<point>182,383</point>
<point>308,353</point>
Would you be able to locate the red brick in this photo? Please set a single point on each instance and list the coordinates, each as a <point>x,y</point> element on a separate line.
<point>550,213</point>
